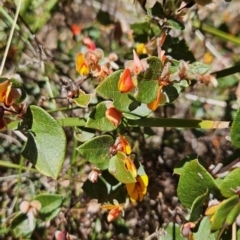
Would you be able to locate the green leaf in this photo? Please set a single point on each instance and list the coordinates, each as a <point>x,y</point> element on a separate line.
<point>197,206</point>
<point>97,190</point>
<point>105,189</point>
<point>147,92</point>
<point>153,71</point>
<point>119,171</point>
<point>46,144</point>
<point>173,23</point>
<point>140,111</point>
<point>97,151</point>
<point>222,212</point>
<point>50,205</point>
<point>83,99</point>
<point>178,49</point>
<point>179,167</point>
<point>231,183</point>
<point>232,215</point>
<point>194,182</point>
<point>199,68</point>
<point>97,119</point>
<point>157,10</point>
<point>235,130</point>
<point>204,230</point>
<point>140,31</point>
<point>172,93</point>
<point>173,232</point>
<point>21,226</point>
<point>83,135</point>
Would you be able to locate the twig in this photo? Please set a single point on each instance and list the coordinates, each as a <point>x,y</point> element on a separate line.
<point>234,231</point>
<point>10,37</point>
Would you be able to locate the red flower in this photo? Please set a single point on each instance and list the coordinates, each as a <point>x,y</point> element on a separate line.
<point>76,30</point>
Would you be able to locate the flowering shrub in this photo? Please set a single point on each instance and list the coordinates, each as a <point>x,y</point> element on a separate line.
<point>115,101</point>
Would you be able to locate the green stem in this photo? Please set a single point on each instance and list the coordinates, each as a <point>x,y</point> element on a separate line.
<point>16,166</point>
<point>10,36</point>
<point>178,123</point>
<point>227,71</point>
<point>216,32</point>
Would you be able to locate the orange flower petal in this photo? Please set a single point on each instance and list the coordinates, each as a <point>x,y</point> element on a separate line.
<point>126,146</point>
<point>3,89</point>
<point>114,116</point>
<point>113,214</point>
<point>130,166</point>
<point>81,65</point>
<point>125,83</point>
<point>154,104</point>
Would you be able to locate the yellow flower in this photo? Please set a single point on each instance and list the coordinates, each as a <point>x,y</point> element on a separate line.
<point>141,49</point>
<point>81,65</point>
<point>137,190</point>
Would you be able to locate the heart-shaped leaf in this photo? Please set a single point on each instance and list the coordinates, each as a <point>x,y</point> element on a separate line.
<point>199,68</point>
<point>50,205</point>
<point>204,230</point>
<point>21,226</point>
<point>46,144</point>
<point>97,151</point>
<point>194,182</point>
<point>83,99</point>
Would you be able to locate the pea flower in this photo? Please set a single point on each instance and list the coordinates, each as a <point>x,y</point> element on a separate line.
<point>7,94</point>
<point>62,235</point>
<point>31,209</point>
<point>130,166</point>
<point>113,115</point>
<point>115,210</point>
<point>186,230</point>
<point>76,30</point>
<point>141,49</point>
<point>137,190</point>
<point>125,82</point>
<point>121,144</point>
<point>138,65</point>
<point>94,175</point>
<point>154,104</point>
<point>82,65</point>
<point>89,43</point>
